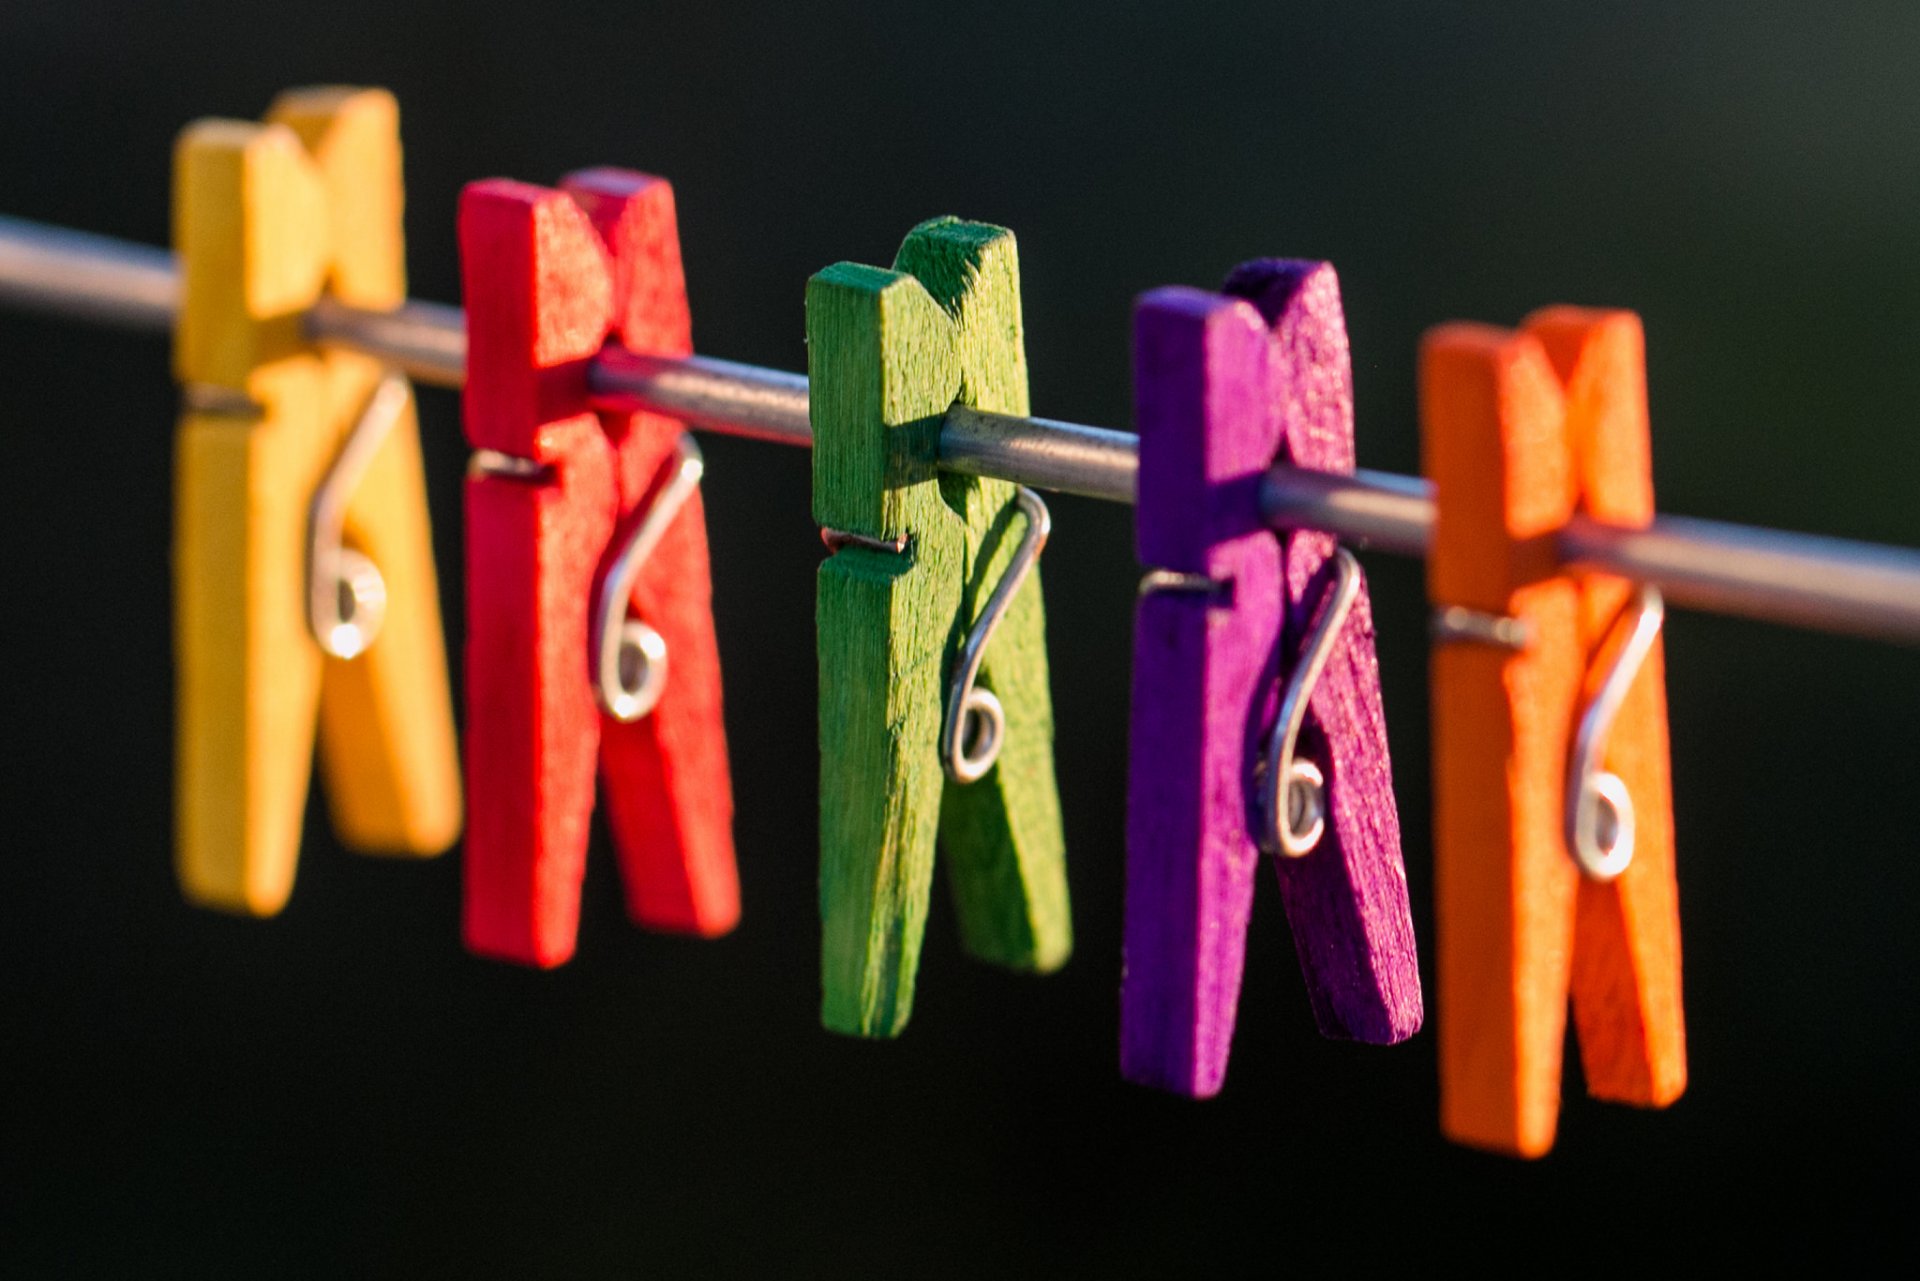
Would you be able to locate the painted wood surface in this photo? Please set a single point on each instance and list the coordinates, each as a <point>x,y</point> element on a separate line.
<point>1626,955</point>
<point>1346,901</point>
<point>549,276</point>
<point>1224,386</point>
<point>389,753</point>
<point>1201,666</point>
<point>888,353</point>
<point>1512,458</point>
<point>255,226</point>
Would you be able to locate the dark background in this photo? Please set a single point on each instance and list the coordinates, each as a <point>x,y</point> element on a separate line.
<point>341,1090</point>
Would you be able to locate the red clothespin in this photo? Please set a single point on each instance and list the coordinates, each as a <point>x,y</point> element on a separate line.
<point>1550,732</point>
<point>589,628</point>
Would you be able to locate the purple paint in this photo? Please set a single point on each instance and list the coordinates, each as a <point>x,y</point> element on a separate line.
<point>1202,392</point>
<point>1223,387</point>
<point>1346,901</point>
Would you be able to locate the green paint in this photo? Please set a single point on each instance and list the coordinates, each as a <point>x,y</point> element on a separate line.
<point>888,354</point>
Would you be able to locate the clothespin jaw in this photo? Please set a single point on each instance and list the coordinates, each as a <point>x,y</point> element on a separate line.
<point>917,554</point>
<point>559,499</point>
<point>1520,430</point>
<point>268,217</point>
<point>1225,386</point>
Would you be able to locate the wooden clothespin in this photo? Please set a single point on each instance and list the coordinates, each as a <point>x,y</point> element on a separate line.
<point>589,620</point>
<point>1550,732</point>
<point>303,569</point>
<point>1256,716</point>
<point>923,724</point>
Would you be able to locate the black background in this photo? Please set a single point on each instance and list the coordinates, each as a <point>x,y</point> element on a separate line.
<point>341,1090</point>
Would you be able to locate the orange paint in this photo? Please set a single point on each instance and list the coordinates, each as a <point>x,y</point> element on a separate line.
<point>1519,431</point>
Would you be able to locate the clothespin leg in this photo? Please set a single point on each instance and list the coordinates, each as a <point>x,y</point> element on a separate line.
<point>1203,656</point>
<point>1002,834</point>
<point>1626,968</point>
<point>248,672</point>
<point>883,624</point>
<point>250,222</point>
<point>388,750</point>
<point>533,550</point>
<point>1347,900</point>
<point>668,785</point>
<point>880,796</point>
<point>1504,886</point>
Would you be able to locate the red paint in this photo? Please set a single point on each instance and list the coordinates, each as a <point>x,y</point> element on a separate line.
<point>550,276</point>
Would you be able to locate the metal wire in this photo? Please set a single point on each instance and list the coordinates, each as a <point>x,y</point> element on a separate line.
<point>1293,791</point>
<point>1599,821</point>
<point>346,594</point>
<point>628,657</point>
<point>1827,584</point>
<point>975,724</point>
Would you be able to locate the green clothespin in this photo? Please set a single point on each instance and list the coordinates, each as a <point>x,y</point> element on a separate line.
<point>920,568</point>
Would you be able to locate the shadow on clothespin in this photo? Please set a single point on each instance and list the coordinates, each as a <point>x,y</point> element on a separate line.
<point>934,704</point>
<point>303,569</point>
<point>1256,715</point>
<point>589,609</point>
<point>1553,813</point>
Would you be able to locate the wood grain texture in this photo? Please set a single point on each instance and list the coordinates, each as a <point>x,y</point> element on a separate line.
<point>1509,432</point>
<point>1002,835</point>
<point>533,550</point>
<point>549,276</point>
<point>667,782</point>
<point>1493,443</point>
<point>1223,387</point>
<point>254,227</point>
<point>888,353</point>
<point>1347,900</point>
<point>1201,665</point>
<point>1626,955</point>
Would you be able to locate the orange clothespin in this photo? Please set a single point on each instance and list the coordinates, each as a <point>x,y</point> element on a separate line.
<point>303,568</point>
<point>1553,826</point>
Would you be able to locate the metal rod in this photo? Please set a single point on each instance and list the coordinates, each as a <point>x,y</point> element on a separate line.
<point>1828,584</point>
<point>740,400</point>
<point>426,341</point>
<point>88,277</point>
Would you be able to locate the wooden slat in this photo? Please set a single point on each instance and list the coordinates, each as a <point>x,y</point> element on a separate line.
<point>1346,901</point>
<point>1626,962</point>
<point>1494,444</point>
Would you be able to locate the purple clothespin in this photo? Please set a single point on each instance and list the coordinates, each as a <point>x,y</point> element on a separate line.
<point>1252,648</point>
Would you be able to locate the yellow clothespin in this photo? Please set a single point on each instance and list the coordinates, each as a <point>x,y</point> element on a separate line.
<point>303,567</point>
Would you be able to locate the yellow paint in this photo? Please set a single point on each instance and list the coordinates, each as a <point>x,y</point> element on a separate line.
<point>267,216</point>
<point>353,136</point>
<point>387,745</point>
<point>247,674</point>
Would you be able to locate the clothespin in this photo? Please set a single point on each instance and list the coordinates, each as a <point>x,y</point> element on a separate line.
<point>1256,715</point>
<point>924,724</point>
<point>1553,831</point>
<point>303,568</point>
<point>589,620</point>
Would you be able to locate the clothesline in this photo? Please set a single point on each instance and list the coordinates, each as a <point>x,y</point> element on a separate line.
<point>1826,584</point>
